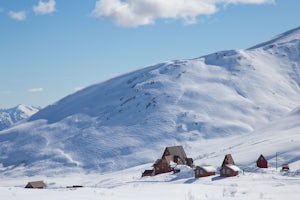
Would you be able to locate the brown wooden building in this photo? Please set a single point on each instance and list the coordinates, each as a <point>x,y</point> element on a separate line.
<point>172,156</point>
<point>36,184</point>
<point>177,155</point>
<point>229,170</point>
<point>205,170</point>
<point>262,162</point>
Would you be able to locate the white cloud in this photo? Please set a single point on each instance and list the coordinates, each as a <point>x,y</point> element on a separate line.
<point>19,16</point>
<point>131,13</point>
<point>44,7</point>
<point>36,90</point>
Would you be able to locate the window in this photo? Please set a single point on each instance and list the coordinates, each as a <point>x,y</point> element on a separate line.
<point>201,171</point>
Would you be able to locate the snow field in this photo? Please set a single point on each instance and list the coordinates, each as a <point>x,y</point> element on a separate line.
<point>127,184</point>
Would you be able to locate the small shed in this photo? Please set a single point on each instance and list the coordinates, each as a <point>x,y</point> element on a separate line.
<point>285,167</point>
<point>229,170</point>
<point>148,172</point>
<point>205,170</point>
<point>36,184</point>
<point>262,162</point>
<point>228,160</point>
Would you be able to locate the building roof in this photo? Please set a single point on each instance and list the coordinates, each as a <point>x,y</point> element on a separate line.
<point>261,156</point>
<point>228,160</point>
<point>35,184</point>
<point>207,168</point>
<point>177,151</point>
<point>233,167</point>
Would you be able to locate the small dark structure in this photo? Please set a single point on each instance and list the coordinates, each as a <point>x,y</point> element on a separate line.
<point>36,184</point>
<point>229,170</point>
<point>148,172</point>
<point>228,160</point>
<point>205,170</point>
<point>189,162</point>
<point>75,186</point>
<point>262,162</point>
<point>285,167</point>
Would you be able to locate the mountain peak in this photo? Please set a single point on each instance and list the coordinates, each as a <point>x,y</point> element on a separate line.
<point>27,110</point>
<point>10,116</point>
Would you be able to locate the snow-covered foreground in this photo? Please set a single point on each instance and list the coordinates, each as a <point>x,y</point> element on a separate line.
<point>127,184</point>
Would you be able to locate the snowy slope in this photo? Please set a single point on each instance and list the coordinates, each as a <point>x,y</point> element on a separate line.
<point>208,104</point>
<point>10,116</point>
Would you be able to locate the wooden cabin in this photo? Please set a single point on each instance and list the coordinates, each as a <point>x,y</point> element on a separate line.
<point>229,170</point>
<point>36,184</point>
<point>205,170</point>
<point>228,160</point>
<point>262,162</point>
<point>177,155</point>
<point>149,172</point>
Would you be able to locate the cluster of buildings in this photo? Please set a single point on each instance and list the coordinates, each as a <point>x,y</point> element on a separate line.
<point>176,155</point>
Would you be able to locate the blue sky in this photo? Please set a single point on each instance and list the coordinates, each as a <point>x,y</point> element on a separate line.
<point>50,48</point>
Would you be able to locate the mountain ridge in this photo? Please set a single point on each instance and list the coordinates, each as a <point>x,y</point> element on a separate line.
<point>11,116</point>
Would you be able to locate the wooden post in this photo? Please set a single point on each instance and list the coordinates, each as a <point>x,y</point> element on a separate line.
<point>276,160</point>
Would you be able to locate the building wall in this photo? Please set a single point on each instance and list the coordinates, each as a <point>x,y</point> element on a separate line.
<point>199,172</point>
<point>161,167</point>
<point>227,172</point>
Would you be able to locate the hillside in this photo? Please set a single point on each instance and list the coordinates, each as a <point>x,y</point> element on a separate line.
<point>213,104</point>
<point>9,117</point>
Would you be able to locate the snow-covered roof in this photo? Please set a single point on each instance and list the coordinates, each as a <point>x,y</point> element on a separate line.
<point>233,167</point>
<point>208,168</point>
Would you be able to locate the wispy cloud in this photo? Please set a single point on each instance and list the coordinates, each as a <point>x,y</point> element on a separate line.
<point>19,16</point>
<point>34,90</point>
<point>44,7</point>
<point>132,13</point>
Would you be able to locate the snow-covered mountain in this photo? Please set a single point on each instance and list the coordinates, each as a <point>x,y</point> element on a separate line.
<point>218,103</point>
<point>10,116</point>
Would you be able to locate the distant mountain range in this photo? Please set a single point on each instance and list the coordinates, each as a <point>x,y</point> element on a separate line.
<point>9,117</point>
<point>226,102</point>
